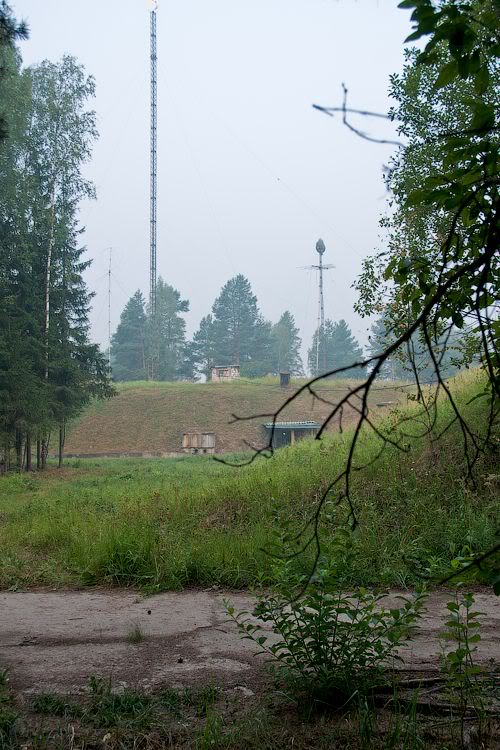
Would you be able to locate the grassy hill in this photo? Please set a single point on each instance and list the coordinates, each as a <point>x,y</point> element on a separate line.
<point>151,418</point>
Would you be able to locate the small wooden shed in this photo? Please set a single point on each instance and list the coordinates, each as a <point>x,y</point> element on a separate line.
<point>286,433</point>
<point>198,443</point>
<point>224,374</point>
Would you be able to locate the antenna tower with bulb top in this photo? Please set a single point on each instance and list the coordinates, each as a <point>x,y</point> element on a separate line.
<point>320,267</point>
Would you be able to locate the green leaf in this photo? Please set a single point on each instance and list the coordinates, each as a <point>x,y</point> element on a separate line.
<point>416,35</point>
<point>447,74</point>
<point>483,118</point>
<point>482,80</point>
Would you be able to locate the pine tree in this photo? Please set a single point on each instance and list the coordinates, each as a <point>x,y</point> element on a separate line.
<point>337,348</point>
<point>236,323</point>
<point>128,354</point>
<point>286,346</point>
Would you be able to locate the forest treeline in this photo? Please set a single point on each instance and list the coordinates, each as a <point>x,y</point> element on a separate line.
<point>233,333</point>
<point>49,369</point>
<point>236,333</point>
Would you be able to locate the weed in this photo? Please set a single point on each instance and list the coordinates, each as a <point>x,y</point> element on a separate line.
<point>129,708</point>
<point>204,699</point>
<point>8,717</point>
<point>51,704</point>
<point>201,700</point>
<point>8,720</point>
<point>135,634</point>
<point>212,734</point>
<point>404,726</point>
<point>462,675</point>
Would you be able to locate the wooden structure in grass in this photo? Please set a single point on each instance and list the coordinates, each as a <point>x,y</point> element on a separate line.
<point>198,443</point>
<point>287,433</point>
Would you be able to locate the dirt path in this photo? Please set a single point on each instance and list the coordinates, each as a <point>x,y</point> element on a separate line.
<point>54,641</point>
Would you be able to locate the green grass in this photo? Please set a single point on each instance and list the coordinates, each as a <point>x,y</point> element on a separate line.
<point>8,715</point>
<point>170,523</point>
<point>211,717</point>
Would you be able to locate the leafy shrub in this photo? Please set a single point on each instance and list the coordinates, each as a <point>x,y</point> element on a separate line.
<point>328,643</point>
<point>462,674</point>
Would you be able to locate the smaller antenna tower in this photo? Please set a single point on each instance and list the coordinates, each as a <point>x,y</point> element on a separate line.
<point>109,311</point>
<point>320,267</point>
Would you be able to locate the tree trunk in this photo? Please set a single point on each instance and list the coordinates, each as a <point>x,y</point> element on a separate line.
<point>62,437</point>
<point>19,450</point>
<point>44,453</point>
<point>38,454</point>
<point>28,451</point>
<point>48,273</point>
<point>4,462</point>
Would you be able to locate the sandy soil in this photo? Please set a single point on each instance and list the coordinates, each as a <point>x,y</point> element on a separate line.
<point>54,641</point>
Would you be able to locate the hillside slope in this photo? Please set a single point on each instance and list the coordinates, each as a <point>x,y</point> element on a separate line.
<point>152,417</point>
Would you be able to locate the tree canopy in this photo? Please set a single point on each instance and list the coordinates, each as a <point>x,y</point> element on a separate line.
<point>128,352</point>
<point>50,369</point>
<point>336,348</point>
<point>286,345</point>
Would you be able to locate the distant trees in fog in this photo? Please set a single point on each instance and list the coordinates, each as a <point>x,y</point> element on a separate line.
<point>234,333</point>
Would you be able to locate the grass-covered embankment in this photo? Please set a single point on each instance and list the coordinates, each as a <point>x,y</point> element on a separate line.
<point>170,523</point>
<point>148,417</point>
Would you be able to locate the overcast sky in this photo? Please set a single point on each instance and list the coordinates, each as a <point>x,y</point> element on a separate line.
<point>249,175</point>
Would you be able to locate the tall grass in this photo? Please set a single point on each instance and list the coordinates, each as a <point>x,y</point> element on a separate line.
<point>169,523</point>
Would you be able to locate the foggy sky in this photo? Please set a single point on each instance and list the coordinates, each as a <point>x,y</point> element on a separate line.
<point>249,175</point>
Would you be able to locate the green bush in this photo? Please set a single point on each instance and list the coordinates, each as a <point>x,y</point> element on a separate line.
<point>328,644</point>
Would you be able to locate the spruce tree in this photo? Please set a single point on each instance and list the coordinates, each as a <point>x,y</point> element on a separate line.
<point>260,360</point>
<point>337,348</point>
<point>128,355</point>
<point>203,349</point>
<point>286,346</point>
<point>10,32</point>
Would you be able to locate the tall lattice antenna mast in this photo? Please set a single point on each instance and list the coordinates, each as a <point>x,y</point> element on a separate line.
<point>153,175</point>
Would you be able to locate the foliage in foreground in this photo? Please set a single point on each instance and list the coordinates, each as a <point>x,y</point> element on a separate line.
<point>328,644</point>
